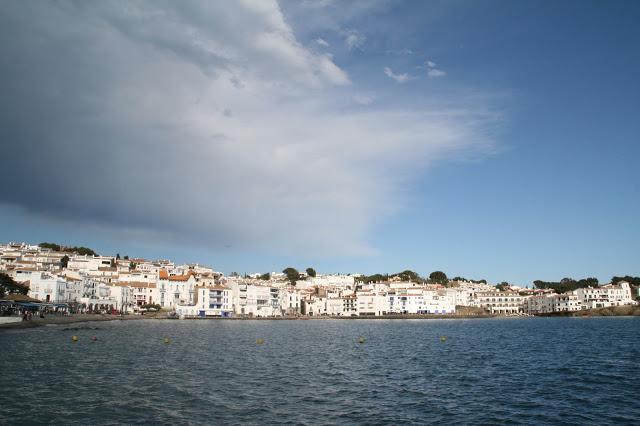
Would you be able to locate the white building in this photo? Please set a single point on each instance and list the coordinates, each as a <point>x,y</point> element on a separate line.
<point>420,300</point>
<point>334,306</point>
<point>349,306</point>
<point>89,263</point>
<point>289,301</point>
<point>52,289</point>
<point>567,302</point>
<point>606,295</point>
<point>371,303</point>
<point>109,298</point>
<point>500,302</point>
<point>539,304</point>
<point>438,302</point>
<point>123,297</point>
<point>209,301</point>
<point>143,293</point>
<point>175,290</point>
<point>340,281</point>
<point>315,306</point>
<point>254,300</point>
<point>548,303</point>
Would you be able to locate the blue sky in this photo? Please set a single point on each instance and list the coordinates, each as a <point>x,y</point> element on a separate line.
<point>515,161</point>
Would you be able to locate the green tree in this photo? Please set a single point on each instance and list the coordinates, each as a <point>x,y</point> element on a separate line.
<point>311,272</point>
<point>635,281</point>
<point>292,274</point>
<point>9,286</point>
<point>83,251</point>
<point>503,286</point>
<point>64,261</point>
<point>51,246</point>
<point>438,277</point>
<point>408,275</point>
<point>566,284</point>
<point>373,278</point>
<point>265,276</point>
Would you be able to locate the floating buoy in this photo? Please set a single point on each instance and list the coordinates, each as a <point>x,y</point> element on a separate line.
<point>74,338</point>
<point>166,341</point>
<point>361,340</point>
<point>259,341</point>
<point>94,338</point>
<point>443,338</point>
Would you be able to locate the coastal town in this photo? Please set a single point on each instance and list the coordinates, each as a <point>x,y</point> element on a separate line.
<point>67,281</point>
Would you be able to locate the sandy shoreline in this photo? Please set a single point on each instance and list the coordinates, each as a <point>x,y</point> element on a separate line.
<point>39,322</point>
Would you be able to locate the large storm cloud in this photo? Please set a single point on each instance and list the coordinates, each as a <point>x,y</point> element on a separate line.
<point>207,121</point>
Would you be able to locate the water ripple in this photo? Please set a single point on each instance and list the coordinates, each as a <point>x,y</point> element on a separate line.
<point>559,371</point>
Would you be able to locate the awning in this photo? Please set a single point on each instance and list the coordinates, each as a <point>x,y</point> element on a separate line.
<point>29,304</point>
<point>54,305</point>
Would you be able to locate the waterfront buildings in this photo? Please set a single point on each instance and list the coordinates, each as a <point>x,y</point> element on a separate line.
<point>50,288</point>
<point>209,301</point>
<point>175,289</point>
<point>583,298</point>
<point>500,302</point>
<point>605,296</point>
<point>550,302</point>
<point>108,283</point>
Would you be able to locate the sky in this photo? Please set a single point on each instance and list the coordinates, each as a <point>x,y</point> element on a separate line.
<point>495,139</point>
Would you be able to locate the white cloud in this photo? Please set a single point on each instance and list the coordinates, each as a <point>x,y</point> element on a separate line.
<point>318,3</point>
<point>400,52</point>
<point>432,70</point>
<point>353,39</point>
<point>210,123</point>
<point>321,42</point>
<point>363,99</point>
<point>399,78</point>
<point>435,73</point>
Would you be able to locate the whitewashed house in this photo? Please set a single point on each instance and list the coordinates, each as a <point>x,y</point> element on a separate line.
<point>289,301</point>
<point>209,301</point>
<point>606,295</point>
<point>371,303</point>
<point>49,288</point>
<point>175,290</point>
<point>500,302</point>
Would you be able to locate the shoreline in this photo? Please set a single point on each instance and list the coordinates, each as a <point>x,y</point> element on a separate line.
<point>41,322</point>
<point>80,318</point>
<point>611,311</point>
<point>327,317</point>
<point>53,320</point>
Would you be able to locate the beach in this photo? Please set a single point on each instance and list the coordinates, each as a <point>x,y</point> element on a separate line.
<point>71,319</point>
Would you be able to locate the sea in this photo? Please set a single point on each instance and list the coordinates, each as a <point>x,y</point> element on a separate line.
<point>494,371</point>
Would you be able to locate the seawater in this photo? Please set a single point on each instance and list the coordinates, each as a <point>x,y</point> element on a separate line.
<point>485,371</point>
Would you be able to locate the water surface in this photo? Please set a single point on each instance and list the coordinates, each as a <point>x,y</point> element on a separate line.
<point>485,371</point>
